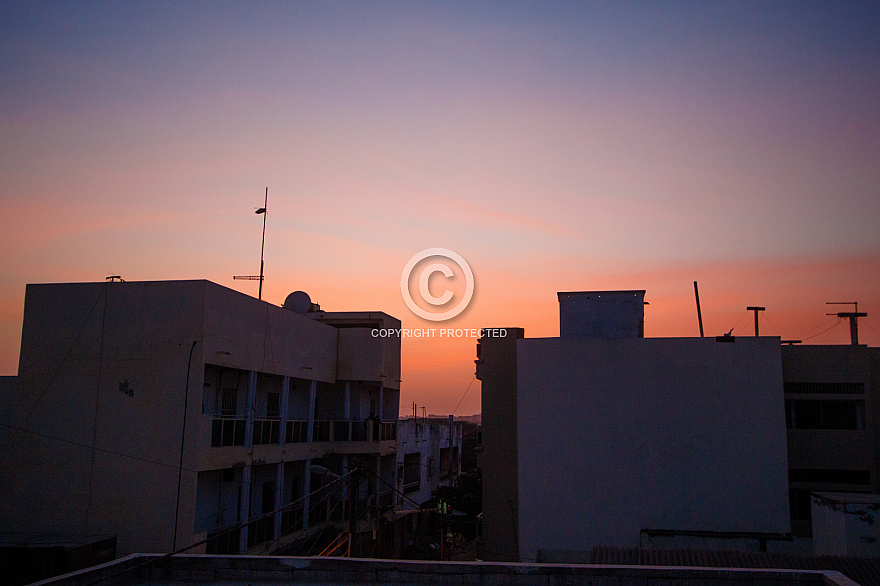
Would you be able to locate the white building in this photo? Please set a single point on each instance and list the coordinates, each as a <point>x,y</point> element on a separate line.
<point>428,457</point>
<point>164,412</point>
<point>603,437</point>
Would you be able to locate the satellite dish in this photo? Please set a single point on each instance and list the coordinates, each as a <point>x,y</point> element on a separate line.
<point>298,302</point>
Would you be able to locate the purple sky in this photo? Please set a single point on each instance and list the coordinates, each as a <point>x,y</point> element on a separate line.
<point>555,146</point>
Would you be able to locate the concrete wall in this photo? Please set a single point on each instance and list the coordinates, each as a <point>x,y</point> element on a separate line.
<point>497,370</point>
<point>617,436</point>
<point>102,364</point>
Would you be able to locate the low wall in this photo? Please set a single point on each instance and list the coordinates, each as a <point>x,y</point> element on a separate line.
<point>156,569</point>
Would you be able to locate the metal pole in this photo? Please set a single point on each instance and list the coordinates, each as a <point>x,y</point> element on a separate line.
<point>756,310</point>
<point>699,313</point>
<point>263,244</point>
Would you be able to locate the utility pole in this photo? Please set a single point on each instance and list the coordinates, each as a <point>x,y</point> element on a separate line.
<point>853,318</point>
<point>756,310</point>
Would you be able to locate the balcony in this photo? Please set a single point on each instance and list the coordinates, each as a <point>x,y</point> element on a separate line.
<point>266,431</point>
<point>321,431</point>
<point>227,431</point>
<point>324,430</point>
<point>297,431</point>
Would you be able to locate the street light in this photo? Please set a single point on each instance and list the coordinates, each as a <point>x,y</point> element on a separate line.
<point>262,210</point>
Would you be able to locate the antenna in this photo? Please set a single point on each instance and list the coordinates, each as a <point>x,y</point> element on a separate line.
<point>853,318</point>
<point>756,310</point>
<point>262,211</point>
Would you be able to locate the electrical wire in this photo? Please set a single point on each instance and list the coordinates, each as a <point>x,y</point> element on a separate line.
<point>832,328</point>
<point>745,313</point>
<point>767,319</point>
<point>464,395</point>
<point>822,325</point>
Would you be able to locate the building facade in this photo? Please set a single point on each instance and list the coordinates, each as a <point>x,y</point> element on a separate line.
<point>182,412</point>
<point>832,410</point>
<point>606,439</point>
<point>428,457</point>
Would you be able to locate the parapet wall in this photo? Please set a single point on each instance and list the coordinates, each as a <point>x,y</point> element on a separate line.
<point>233,570</point>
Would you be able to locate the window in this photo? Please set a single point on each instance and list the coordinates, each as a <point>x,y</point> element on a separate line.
<point>826,388</point>
<point>412,471</point>
<point>827,414</point>
<point>272,402</point>
<point>230,401</point>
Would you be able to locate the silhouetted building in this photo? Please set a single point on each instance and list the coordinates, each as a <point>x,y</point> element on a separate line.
<point>168,412</point>
<point>603,437</point>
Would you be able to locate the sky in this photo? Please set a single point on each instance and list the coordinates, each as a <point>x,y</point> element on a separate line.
<point>555,146</point>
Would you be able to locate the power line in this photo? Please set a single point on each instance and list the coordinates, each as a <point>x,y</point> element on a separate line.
<point>465,394</point>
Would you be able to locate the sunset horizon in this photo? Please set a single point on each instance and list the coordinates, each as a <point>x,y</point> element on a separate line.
<point>558,147</point>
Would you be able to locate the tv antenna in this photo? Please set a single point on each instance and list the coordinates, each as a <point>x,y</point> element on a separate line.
<point>262,211</point>
<point>853,318</point>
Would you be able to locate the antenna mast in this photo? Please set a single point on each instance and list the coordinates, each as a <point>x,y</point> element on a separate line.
<point>853,318</point>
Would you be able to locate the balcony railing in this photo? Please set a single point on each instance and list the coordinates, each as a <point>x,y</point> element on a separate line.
<point>325,430</point>
<point>297,431</point>
<point>266,431</point>
<point>389,431</point>
<point>321,431</point>
<point>228,431</point>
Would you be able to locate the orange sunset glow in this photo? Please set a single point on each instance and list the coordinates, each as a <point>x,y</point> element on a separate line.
<point>555,147</point>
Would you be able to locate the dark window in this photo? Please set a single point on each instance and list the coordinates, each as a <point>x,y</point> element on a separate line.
<point>268,497</point>
<point>799,503</point>
<point>826,388</point>
<point>272,402</point>
<point>829,414</point>
<point>412,471</point>
<point>230,401</point>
